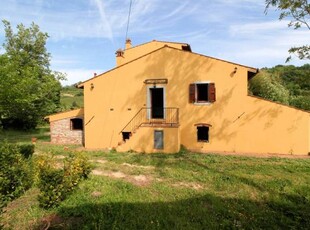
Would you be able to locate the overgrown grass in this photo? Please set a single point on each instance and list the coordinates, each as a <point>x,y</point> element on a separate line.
<point>179,191</point>
<point>20,136</point>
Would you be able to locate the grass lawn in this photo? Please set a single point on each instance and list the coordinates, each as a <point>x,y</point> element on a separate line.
<point>177,191</point>
<point>18,136</point>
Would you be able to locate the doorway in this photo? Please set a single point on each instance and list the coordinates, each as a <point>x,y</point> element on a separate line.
<point>157,103</point>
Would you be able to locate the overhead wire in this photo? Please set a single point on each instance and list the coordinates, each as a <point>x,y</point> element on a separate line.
<point>128,20</point>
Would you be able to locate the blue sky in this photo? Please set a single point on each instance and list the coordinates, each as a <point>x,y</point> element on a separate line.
<point>84,34</point>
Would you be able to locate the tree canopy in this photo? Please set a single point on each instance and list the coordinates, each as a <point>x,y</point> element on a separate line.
<point>298,12</point>
<point>289,85</point>
<point>29,88</point>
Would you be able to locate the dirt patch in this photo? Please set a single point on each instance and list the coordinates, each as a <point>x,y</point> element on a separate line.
<point>96,194</point>
<point>67,95</point>
<point>140,180</point>
<point>60,157</point>
<point>108,173</point>
<point>101,161</point>
<point>138,166</point>
<point>188,185</point>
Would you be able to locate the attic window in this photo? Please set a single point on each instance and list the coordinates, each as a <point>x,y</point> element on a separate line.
<point>76,124</point>
<point>202,93</point>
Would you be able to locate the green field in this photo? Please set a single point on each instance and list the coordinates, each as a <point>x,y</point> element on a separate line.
<point>176,191</point>
<point>71,97</point>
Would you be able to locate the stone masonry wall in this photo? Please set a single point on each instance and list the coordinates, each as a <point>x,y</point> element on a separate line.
<point>62,134</point>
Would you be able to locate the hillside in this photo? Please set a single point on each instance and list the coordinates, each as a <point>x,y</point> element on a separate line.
<point>71,98</point>
<point>288,85</point>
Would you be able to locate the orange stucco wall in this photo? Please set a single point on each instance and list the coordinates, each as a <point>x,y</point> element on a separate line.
<point>239,123</point>
<point>143,140</point>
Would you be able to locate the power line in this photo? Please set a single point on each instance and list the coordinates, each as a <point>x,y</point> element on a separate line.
<point>129,13</point>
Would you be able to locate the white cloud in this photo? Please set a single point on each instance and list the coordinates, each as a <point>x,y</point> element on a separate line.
<point>77,75</point>
<point>257,28</point>
<point>105,23</point>
<point>236,30</point>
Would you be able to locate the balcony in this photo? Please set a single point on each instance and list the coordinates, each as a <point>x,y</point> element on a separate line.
<point>163,117</point>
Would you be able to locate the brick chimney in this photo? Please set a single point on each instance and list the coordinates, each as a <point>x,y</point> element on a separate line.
<point>119,57</point>
<point>128,44</point>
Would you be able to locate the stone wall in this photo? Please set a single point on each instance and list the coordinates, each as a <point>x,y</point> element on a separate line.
<point>61,133</point>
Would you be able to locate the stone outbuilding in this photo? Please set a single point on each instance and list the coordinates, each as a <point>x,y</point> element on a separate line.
<point>67,127</point>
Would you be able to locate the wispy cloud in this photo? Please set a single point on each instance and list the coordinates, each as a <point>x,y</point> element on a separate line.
<point>76,75</point>
<point>105,23</point>
<point>84,34</point>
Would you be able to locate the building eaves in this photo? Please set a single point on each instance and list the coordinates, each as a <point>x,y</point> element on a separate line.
<point>180,43</point>
<point>99,75</point>
<point>77,111</point>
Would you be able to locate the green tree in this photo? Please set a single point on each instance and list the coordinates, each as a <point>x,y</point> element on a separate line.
<point>298,11</point>
<point>29,88</point>
<point>296,79</point>
<point>269,87</point>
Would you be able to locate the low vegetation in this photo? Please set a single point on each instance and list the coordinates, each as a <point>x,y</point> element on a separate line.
<point>174,191</point>
<point>289,85</point>
<point>55,181</point>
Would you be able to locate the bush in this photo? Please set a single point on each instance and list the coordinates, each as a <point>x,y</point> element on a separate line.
<point>269,87</point>
<point>15,173</point>
<point>26,150</point>
<point>56,184</point>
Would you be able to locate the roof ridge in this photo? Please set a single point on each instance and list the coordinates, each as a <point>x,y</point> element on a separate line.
<point>98,75</point>
<point>157,41</point>
<point>165,46</point>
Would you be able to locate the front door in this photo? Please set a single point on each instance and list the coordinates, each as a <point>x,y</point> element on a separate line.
<point>157,103</point>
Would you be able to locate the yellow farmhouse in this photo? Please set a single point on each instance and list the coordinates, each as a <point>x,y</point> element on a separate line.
<point>161,95</point>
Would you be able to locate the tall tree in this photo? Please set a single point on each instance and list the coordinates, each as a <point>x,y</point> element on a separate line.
<point>29,89</point>
<point>298,12</point>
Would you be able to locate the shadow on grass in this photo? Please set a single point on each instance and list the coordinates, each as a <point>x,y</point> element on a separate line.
<point>203,212</point>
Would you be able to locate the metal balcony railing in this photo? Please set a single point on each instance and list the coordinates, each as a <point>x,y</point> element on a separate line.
<point>153,116</point>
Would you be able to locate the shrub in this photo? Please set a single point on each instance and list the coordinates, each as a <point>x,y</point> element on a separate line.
<point>15,173</point>
<point>56,184</point>
<point>26,150</point>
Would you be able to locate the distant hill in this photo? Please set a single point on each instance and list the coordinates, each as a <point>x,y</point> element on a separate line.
<point>71,98</point>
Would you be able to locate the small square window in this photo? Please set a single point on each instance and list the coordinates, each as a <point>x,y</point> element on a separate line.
<point>202,134</point>
<point>76,124</point>
<point>158,139</point>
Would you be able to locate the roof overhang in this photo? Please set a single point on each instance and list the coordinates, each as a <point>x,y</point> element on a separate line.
<point>66,114</point>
